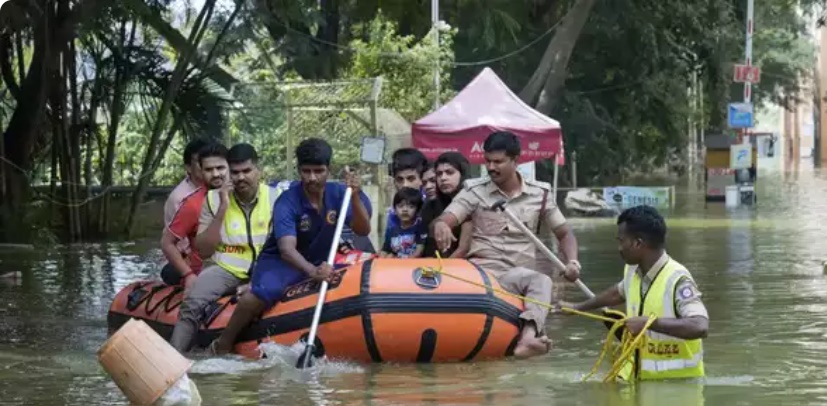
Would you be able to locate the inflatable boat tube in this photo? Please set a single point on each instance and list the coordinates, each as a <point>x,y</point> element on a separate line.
<point>380,310</point>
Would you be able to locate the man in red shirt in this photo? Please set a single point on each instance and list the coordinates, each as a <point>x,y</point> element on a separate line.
<point>184,224</point>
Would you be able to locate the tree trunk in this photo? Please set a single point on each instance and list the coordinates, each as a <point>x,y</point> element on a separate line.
<point>550,75</point>
<point>178,77</point>
<point>180,43</point>
<point>122,78</point>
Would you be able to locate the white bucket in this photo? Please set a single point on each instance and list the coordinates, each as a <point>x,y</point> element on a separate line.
<point>733,196</point>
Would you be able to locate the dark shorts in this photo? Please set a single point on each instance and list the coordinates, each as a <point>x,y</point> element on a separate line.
<point>271,278</point>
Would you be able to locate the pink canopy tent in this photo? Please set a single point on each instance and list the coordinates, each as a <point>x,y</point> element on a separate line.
<point>484,106</point>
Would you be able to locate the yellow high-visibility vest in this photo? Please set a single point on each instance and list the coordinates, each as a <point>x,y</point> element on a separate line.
<point>242,236</point>
<point>662,356</point>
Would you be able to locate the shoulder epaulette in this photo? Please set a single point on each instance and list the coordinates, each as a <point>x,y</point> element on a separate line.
<point>475,182</point>
<point>539,184</point>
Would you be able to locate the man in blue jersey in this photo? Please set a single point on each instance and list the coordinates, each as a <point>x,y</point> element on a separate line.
<point>304,224</point>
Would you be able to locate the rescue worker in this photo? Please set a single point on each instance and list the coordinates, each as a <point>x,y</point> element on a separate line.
<point>303,231</point>
<point>232,229</point>
<point>655,284</point>
<point>500,247</point>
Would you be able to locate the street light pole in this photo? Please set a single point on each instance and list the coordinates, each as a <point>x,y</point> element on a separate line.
<point>435,28</point>
<point>748,60</point>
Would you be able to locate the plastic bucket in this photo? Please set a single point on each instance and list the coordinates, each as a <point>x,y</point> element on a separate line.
<point>142,363</point>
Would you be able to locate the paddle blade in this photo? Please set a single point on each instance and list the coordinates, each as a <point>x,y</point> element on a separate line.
<point>311,352</point>
<point>306,359</point>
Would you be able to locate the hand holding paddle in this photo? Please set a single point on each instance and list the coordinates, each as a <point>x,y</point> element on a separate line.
<point>306,359</point>
<point>575,266</point>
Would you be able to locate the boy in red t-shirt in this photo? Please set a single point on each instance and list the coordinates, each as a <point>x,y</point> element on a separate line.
<point>184,224</point>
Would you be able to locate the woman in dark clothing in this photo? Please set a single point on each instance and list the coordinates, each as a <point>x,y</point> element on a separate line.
<point>451,171</point>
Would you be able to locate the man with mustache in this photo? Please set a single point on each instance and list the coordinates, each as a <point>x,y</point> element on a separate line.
<point>500,247</point>
<point>183,226</point>
<point>303,230</point>
<point>232,228</point>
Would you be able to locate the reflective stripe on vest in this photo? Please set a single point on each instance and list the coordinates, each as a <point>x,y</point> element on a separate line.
<point>242,237</point>
<point>662,356</point>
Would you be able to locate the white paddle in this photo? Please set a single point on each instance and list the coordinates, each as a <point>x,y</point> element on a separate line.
<point>305,360</point>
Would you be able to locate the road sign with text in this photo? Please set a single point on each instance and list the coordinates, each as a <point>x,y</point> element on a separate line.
<point>746,74</point>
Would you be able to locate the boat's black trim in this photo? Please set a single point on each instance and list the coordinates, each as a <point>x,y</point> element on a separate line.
<point>427,346</point>
<point>364,306</point>
<point>367,321</point>
<point>489,319</point>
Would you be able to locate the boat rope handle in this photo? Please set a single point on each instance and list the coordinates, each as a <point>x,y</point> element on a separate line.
<point>621,354</point>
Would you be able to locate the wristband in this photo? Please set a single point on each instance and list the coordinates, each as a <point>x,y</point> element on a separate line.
<point>186,275</point>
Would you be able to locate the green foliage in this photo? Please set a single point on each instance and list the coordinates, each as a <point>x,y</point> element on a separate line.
<point>624,106</point>
<point>405,63</point>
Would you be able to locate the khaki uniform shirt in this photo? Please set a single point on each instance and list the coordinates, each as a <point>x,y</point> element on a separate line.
<point>687,298</point>
<point>496,244</point>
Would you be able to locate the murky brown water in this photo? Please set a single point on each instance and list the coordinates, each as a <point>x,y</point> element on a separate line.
<point>760,271</point>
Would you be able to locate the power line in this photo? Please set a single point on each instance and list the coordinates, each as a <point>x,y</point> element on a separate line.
<point>404,54</point>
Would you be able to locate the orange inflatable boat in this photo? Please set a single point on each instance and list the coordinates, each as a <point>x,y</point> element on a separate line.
<point>380,310</point>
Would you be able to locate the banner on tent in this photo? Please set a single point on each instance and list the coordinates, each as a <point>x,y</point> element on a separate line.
<point>533,150</point>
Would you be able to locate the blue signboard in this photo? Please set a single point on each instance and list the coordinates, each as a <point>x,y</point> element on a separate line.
<point>740,115</point>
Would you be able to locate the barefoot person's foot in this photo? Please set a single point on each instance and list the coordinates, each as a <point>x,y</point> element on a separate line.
<point>529,347</point>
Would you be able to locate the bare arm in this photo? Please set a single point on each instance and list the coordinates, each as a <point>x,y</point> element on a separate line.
<point>568,242</point>
<point>289,253</point>
<point>360,221</point>
<point>607,298</point>
<point>464,245</point>
<point>172,254</point>
<point>690,328</point>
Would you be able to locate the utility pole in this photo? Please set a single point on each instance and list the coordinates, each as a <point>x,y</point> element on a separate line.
<point>748,58</point>
<point>435,28</point>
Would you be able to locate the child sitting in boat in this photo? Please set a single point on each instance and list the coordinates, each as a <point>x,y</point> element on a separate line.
<point>406,239</point>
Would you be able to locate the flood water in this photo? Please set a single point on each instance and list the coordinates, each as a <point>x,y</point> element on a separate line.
<point>760,271</point>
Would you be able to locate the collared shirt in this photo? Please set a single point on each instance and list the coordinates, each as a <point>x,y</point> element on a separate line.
<point>184,189</point>
<point>314,229</point>
<point>497,245</point>
<point>688,301</point>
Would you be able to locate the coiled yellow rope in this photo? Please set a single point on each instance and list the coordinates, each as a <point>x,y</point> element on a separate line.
<point>621,354</point>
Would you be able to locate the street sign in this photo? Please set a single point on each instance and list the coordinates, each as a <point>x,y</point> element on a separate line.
<point>740,115</point>
<point>740,156</point>
<point>746,74</point>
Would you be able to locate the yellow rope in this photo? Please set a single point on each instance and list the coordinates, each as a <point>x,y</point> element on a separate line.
<point>621,354</point>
